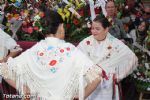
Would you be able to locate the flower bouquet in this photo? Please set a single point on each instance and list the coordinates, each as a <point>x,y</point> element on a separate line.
<point>22,19</point>
<point>141,77</point>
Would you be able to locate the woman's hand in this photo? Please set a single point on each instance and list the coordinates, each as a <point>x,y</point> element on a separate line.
<point>76,98</point>
<point>3,60</point>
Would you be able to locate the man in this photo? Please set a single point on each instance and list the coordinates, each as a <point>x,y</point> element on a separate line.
<point>117,27</point>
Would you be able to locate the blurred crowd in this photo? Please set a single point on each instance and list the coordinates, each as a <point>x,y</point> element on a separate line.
<point>136,19</point>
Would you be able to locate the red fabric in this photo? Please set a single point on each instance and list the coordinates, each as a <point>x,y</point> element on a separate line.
<point>7,90</point>
<point>26,44</point>
<point>114,85</point>
<point>104,75</point>
<point>1,92</point>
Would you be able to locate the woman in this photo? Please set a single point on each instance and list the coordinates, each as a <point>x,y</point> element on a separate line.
<point>109,53</point>
<point>8,48</point>
<point>52,69</point>
<point>138,35</point>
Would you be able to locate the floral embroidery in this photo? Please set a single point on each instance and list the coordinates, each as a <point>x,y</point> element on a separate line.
<point>68,49</point>
<point>52,63</point>
<point>88,42</point>
<point>68,55</point>
<point>53,70</point>
<point>49,48</point>
<point>109,47</point>
<point>61,50</point>
<point>41,54</point>
<point>51,56</point>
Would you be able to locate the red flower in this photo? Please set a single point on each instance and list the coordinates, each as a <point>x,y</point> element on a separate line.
<point>88,42</point>
<point>35,28</point>
<point>41,54</point>
<point>41,14</point>
<point>67,26</point>
<point>81,12</point>
<point>52,63</point>
<point>62,50</point>
<point>30,30</point>
<point>68,49</point>
<point>75,21</point>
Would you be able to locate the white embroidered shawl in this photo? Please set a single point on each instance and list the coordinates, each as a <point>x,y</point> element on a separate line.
<point>114,57</point>
<point>7,43</point>
<point>52,69</point>
<point>111,54</point>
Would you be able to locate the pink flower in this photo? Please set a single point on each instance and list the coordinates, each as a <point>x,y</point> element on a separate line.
<point>35,28</point>
<point>68,49</point>
<point>41,54</point>
<point>88,42</point>
<point>62,50</point>
<point>24,23</point>
<point>25,29</point>
<point>30,30</point>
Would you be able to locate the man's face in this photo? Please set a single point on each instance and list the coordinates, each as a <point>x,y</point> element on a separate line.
<point>110,8</point>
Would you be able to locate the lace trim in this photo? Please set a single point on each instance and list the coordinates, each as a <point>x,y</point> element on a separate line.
<point>72,89</point>
<point>7,74</point>
<point>92,74</point>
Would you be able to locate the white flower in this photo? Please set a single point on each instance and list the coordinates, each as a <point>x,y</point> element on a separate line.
<point>36,18</point>
<point>138,73</point>
<point>148,89</point>
<point>135,76</point>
